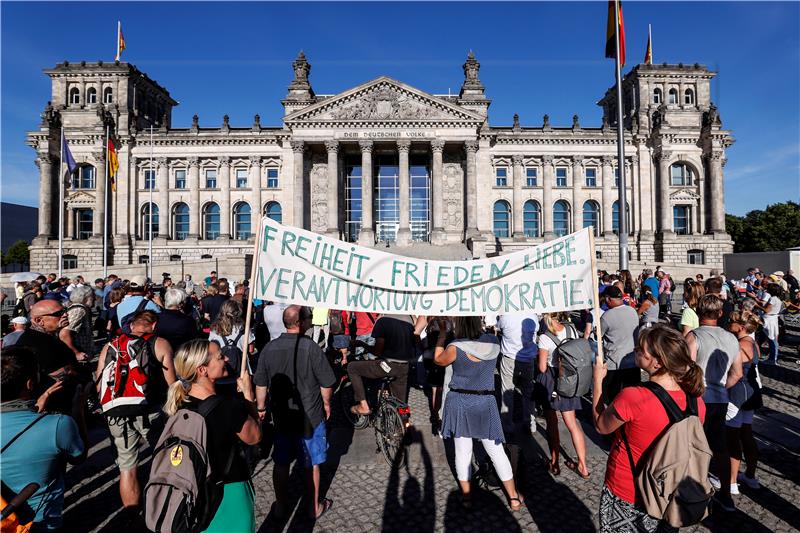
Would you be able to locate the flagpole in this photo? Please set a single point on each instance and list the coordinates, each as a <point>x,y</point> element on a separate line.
<point>623,203</point>
<point>105,211</point>
<point>650,40</point>
<point>119,28</point>
<point>150,211</point>
<point>61,206</point>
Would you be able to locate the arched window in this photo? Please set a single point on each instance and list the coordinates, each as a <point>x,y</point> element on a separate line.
<point>241,221</point>
<point>615,217</point>
<point>180,221</point>
<point>145,225</point>
<point>673,96</point>
<point>91,95</point>
<point>273,210</point>
<point>502,219</point>
<point>74,96</point>
<point>211,221</point>
<point>688,97</point>
<point>681,174</point>
<point>658,96</point>
<point>85,178</point>
<point>108,95</point>
<point>561,218</point>
<point>591,216</point>
<point>531,218</point>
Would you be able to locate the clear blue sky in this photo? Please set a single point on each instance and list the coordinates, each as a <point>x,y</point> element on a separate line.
<point>536,58</point>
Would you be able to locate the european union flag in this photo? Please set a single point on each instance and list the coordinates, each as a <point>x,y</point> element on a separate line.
<point>72,166</point>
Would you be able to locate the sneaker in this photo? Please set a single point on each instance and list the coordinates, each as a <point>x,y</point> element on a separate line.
<point>714,480</point>
<point>734,489</point>
<point>725,502</point>
<point>751,482</point>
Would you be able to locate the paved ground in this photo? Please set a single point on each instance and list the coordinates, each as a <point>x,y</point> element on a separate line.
<point>422,495</point>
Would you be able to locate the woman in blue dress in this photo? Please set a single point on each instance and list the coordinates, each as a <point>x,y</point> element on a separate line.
<point>470,408</point>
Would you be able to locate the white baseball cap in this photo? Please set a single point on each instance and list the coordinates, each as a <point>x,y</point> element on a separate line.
<point>19,320</point>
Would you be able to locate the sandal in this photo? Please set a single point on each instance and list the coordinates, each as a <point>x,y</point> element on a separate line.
<point>327,503</point>
<point>519,499</point>
<point>572,465</point>
<point>355,411</point>
<point>554,468</point>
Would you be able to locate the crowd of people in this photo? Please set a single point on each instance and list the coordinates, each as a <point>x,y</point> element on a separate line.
<point>139,353</point>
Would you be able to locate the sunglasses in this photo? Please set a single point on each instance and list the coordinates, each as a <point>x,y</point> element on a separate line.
<point>56,313</point>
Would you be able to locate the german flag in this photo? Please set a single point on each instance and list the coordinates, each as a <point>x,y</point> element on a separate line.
<point>611,35</point>
<point>120,40</point>
<point>113,164</point>
<point>648,54</point>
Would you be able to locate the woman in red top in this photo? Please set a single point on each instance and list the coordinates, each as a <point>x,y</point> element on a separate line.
<point>664,355</point>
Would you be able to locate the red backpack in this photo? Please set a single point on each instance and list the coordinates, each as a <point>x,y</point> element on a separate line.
<point>126,379</point>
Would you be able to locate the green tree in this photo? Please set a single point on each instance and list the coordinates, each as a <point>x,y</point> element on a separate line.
<point>773,229</point>
<point>17,253</point>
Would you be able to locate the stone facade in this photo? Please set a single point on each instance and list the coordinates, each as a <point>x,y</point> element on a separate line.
<point>452,179</point>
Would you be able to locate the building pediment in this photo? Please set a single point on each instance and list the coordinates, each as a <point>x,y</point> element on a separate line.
<point>80,199</point>
<point>383,100</point>
<point>684,195</point>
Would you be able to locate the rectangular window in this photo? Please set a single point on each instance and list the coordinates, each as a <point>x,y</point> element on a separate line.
<point>591,177</point>
<point>86,177</point>
<point>143,259</point>
<point>501,177</point>
<point>149,179</point>
<point>696,257</point>
<point>180,179</point>
<point>272,178</point>
<point>83,223</point>
<point>530,177</point>
<point>211,179</point>
<point>616,177</point>
<point>680,219</point>
<point>241,178</point>
<point>70,262</point>
<point>561,177</point>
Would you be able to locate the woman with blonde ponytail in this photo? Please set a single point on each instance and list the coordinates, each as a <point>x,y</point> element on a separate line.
<point>664,354</point>
<point>199,364</point>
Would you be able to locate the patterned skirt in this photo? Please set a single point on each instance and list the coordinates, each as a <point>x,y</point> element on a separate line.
<point>619,516</point>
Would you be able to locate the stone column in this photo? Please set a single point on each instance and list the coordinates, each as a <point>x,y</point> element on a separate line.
<point>577,189</point>
<point>193,179</point>
<point>701,206</point>
<point>46,196</point>
<point>547,196</point>
<point>99,194</point>
<point>404,232</point>
<point>665,214</point>
<point>366,237</point>
<point>517,204</point>
<point>332,147</point>
<point>608,195</point>
<point>69,222</point>
<point>298,149</point>
<point>162,180</point>
<point>437,182</point>
<point>716,193</point>
<point>471,148</point>
<point>254,178</point>
<point>224,183</point>
<point>634,216</point>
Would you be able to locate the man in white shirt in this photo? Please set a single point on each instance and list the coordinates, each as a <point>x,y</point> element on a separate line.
<point>273,318</point>
<point>519,349</point>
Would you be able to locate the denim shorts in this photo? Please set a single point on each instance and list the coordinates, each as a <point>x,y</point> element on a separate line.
<point>313,450</point>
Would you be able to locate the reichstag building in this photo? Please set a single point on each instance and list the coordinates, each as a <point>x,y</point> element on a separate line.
<point>381,163</point>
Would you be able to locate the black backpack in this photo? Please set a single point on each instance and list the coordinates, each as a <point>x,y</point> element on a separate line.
<point>232,351</point>
<point>573,376</point>
<point>181,495</point>
<point>336,322</point>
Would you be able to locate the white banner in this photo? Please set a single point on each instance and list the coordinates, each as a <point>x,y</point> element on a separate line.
<point>300,267</point>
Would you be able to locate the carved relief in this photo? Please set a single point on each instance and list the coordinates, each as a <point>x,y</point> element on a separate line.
<point>319,196</point>
<point>453,196</point>
<point>385,102</point>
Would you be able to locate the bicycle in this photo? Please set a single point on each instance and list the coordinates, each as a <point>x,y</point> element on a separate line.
<point>389,419</point>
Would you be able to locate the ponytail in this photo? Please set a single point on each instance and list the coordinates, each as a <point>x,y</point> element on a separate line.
<point>670,349</point>
<point>190,356</point>
<point>692,380</point>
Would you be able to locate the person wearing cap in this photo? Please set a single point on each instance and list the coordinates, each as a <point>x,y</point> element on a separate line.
<point>778,276</point>
<point>136,293</point>
<point>20,324</point>
<point>619,326</point>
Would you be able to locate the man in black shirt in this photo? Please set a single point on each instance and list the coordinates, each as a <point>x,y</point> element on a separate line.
<point>299,379</point>
<point>394,347</point>
<point>173,324</point>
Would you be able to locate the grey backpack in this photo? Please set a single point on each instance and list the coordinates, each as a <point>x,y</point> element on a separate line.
<point>574,373</point>
<point>181,495</point>
<point>671,479</point>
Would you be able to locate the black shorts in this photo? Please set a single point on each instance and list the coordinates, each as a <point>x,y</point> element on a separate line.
<point>714,427</point>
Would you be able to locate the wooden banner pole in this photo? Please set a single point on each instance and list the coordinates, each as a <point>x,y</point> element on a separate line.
<point>250,292</point>
<point>596,299</point>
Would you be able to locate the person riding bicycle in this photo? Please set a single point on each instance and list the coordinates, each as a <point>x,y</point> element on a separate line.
<point>394,347</point>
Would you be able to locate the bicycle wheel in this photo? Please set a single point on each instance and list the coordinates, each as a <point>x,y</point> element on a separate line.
<point>390,432</point>
<point>346,402</point>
